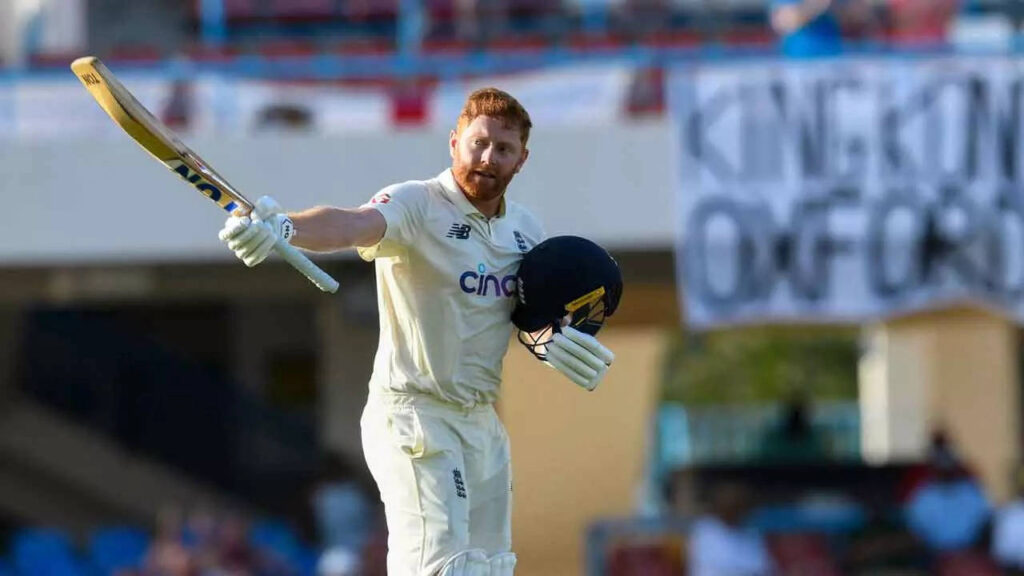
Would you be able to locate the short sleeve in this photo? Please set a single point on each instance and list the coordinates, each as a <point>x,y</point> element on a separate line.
<point>404,207</point>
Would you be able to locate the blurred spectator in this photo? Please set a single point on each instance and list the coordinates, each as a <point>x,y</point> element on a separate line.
<point>338,562</point>
<point>807,27</point>
<point>167,555</point>
<point>285,117</point>
<point>1008,530</point>
<point>178,109</point>
<point>884,546</point>
<point>477,20</point>
<point>646,96</point>
<point>795,439</point>
<point>642,17</point>
<point>233,554</point>
<point>344,514</point>
<point>720,542</point>
<point>921,21</point>
<point>949,511</point>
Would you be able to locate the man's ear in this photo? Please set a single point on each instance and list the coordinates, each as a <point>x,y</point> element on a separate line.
<point>526,154</point>
<point>453,143</point>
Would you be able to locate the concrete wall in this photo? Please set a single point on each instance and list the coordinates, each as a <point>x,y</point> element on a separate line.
<point>106,200</point>
<point>576,455</point>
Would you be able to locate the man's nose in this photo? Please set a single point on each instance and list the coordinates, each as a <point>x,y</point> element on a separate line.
<point>487,155</point>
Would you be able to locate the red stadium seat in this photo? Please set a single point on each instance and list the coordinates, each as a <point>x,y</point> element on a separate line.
<point>362,47</point>
<point>362,10</point>
<point>802,554</point>
<point>210,53</point>
<point>135,54</point>
<point>663,557</point>
<point>287,48</point>
<point>52,59</point>
<point>518,43</point>
<point>967,563</point>
<point>447,46</point>
<point>302,9</point>
<point>584,42</point>
<point>749,37</point>
<point>234,10</point>
<point>672,39</point>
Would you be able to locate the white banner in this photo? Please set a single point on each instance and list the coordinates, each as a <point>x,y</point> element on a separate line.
<point>848,190</point>
<point>582,95</point>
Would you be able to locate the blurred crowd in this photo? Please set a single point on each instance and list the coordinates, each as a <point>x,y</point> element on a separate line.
<point>275,28</point>
<point>347,539</point>
<point>930,518</point>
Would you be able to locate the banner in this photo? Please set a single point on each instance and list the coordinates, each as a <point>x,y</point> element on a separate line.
<point>844,191</point>
<point>581,95</point>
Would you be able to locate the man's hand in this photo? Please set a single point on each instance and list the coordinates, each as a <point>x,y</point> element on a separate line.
<point>580,357</point>
<point>253,237</point>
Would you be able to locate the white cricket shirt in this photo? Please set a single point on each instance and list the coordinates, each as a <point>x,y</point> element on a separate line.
<point>445,290</point>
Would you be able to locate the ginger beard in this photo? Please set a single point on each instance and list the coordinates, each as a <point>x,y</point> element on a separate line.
<point>483,181</point>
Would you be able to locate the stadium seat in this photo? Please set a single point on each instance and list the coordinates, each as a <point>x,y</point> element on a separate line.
<point>276,538</point>
<point>659,557</point>
<point>967,563</point>
<point>802,554</point>
<point>44,551</point>
<point>117,547</point>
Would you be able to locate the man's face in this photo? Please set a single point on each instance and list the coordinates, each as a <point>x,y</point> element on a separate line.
<point>486,154</point>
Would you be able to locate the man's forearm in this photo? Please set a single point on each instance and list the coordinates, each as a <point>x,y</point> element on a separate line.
<point>327,229</point>
<point>791,17</point>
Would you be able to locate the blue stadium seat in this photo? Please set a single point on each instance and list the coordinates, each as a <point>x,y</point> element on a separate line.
<point>44,552</point>
<point>278,539</point>
<point>114,548</point>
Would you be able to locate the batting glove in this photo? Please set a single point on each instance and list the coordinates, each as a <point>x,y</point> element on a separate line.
<point>253,237</point>
<point>580,357</point>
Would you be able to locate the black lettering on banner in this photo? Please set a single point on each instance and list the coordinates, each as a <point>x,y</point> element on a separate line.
<point>700,146</point>
<point>994,121</point>
<point>952,226</point>
<point>897,162</point>
<point>905,184</point>
<point>811,250</point>
<point>1009,134</point>
<point>748,265</point>
<point>1005,246</point>
<point>882,247</point>
<point>977,119</point>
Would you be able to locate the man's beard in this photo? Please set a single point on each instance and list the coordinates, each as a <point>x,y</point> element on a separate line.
<point>479,188</point>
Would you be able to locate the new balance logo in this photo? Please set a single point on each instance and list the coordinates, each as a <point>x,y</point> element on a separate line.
<point>460,486</point>
<point>520,242</point>
<point>458,231</point>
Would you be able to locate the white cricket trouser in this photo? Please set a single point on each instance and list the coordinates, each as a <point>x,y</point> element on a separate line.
<point>444,476</point>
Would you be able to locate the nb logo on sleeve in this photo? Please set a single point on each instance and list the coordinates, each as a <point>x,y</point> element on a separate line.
<point>458,231</point>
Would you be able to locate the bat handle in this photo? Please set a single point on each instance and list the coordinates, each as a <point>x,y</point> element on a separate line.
<point>264,208</point>
<point>300,262</point>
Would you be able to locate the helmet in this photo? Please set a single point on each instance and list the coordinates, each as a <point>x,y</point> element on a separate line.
<point>564,279</point>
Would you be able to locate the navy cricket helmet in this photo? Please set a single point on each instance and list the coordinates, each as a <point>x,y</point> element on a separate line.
<point>564,279</point>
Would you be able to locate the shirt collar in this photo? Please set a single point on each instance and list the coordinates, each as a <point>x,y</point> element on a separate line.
<point>457,197</point>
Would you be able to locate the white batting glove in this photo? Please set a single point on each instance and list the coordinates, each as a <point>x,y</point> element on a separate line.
<point>253,237</point>
<point>580,357</point>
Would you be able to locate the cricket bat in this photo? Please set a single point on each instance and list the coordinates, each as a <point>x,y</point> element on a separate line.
<point>164,145</point>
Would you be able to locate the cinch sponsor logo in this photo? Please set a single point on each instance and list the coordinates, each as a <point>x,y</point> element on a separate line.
<point>481,283</point>
<point>211,191</point>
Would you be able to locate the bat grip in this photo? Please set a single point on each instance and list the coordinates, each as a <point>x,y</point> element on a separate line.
<point>300,262</point>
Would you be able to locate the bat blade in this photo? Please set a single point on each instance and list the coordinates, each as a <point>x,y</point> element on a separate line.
<point>157,139</point>
<point>150,133</point>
